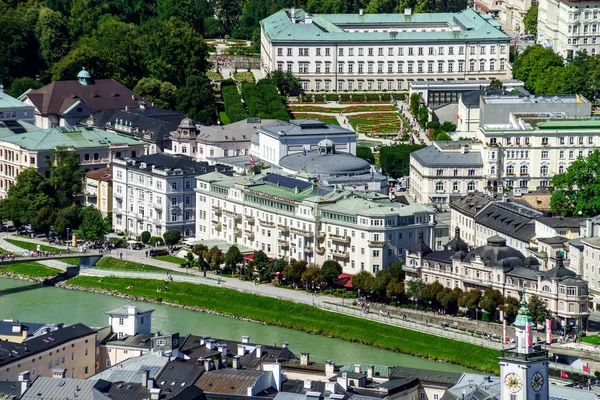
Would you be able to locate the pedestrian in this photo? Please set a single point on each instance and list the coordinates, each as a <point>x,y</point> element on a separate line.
<point>121,255</point>
<point>146,253</point>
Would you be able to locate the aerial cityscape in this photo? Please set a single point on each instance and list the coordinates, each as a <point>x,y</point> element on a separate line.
<point>300,200</point>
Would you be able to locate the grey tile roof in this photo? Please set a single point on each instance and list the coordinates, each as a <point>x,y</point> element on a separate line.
<point>562,222</point>
<point>53,388</point>
<point>306,127</point>
<point>527,273</point>
<point>471,204</point>
<point>179,374</point>
<point>553,240</point>
<point>229,381</point>
<point>124,310</point>
<point>140,341</point>
<point>10,388</point>
<point>160,123</point>
<point>432,157</point>
<point>507,221</point>
<point>33,327</point>
<point>131,369</point>
<point>241,131</point>
<point>425,375</point>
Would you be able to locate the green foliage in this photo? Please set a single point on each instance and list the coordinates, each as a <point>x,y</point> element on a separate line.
<point>263,101</point>
<point>430,293</point>
<point>510,308</point>
<point>533,64</point>
<point>491,300</point>
<point>531,19</point>
<point>233,102</point>
<point>233,257</point>
<point>294,270</point>
<point>363,280</point>
<point>312,276</point>
<point>330,272</point>
<point>66,175</point>
<point>423,116</point>
<point>160,94</point>
<point>537,309</point>
<point>92,226</point>
<point>414,289</point>
<point>155,240</point>
<point>286,82</point>
<point>366,153</point>
<point>395,160</point>
<point>30,194</point>
<point>471,299</point>
<point>197,99</point>
<point>52,32</point>
<point>21,85</point>
<point>576,190</point>
<point>449,299</point>
<point>414,103</point>
<point>172,237</point>
<point>442,136</point>
<point>448,126</point>
<point>145,237</point>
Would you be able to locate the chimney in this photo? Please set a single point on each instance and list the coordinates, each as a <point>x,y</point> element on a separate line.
<point>408,12</point>
<point>463,148</point>
<point>236,362</point>
<point>329,369</point>
<point>241,350</point>
<point>131,310</point>
<point>293,15</point>
<point>223,349</point>
<point>343,381</point>
<point>285,345</point>
<point>224,360</point>
<point>59,373</point>
<point>357,368</point>
<point>210,344</point>
<point>304,358</point>
<point>250,391</point>
<point>155,394</point>
<point>307,384</point>
<point>145,378</point>
<point>370,371</point>
<point>361,11</point>
<point>207,365</point>
<point>245,339</point>
<point>150,384</point>
<point>330,387</point>
<point>16,327</point>
<point>258,351</point>
<point>24,378</point>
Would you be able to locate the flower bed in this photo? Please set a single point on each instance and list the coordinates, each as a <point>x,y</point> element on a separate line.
<point>345,110</point>
<point>328,119</point>
<point>376,122</point>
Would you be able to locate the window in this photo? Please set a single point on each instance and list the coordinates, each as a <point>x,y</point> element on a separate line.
<point>544,170</point>
<point>375,253</point>
<point>303,68</point>
<point>545,154</point>
<point>173,201</point>
<point>471,186</point>
<point>340,67</point>
<point>380,51</point>
<point>280,51</point>
<point>439,186</point>
<point>420,51</point>
<point>361,51</point>
<point>370,52</point>
<point>289,51</point>
<point>340,51</point>
<point>327,52</point>
<point>390,51</point>
<point>318,51</point>
<point>121,321</point>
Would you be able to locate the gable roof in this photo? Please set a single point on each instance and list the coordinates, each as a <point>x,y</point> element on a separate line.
<point>229,381</point>
<point>158,122</point>
<point>426,375</point>
<point>433,157</point>
<point>131,369</point>
<point>240,131</point>
<point>516,222</point>
<point>471,203</point>
<point>179,374</point>
<point>104,94</point>
<point>53,388</point>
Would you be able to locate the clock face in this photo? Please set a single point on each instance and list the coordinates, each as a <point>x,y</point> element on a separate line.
<point>537,381</point>
<point>513,382</point>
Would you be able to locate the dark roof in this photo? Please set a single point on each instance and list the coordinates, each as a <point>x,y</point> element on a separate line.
<point>562,222</point>
<point>326,164</point>
<point>471,204</point>
<point>494,251</point>
<point>433,157</point>
<point>507,220</point>
<point>158,123</point>
<point>526,273</point>
<point>128,391</point>
<point>141,341</point>
<point>7,325</point>
<point>399,385</point>
<point>10,388</point>
<point>420,246</point>
<point>189,393</point>
<point>559,272</point>
<point>103,94</point>
<point>297,386</point>
<point>286,182</point>
<point>444,256</point>
<point>177,375</point>
<point>457,244</point>
<point>426,375</point>
<point>229,381</point>
<point>11,352</point>
<point>553,240</point>
<point>103,174</point>
<point>472,98</point>
<point>162,161</point>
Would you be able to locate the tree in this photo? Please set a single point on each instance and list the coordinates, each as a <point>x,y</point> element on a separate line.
<point>430,293</point>
<point>449,300</point>
<point>214,258</point>
<point>531,19</point>
<point>66,176</point>
<point>471,299</point>
<point>423,116</point>
<point>201,251</point>
<point>196,98</point>
<point>363,281</point>
<point>52,33</point>
<point>414,103</point>
<point>69,66</point>
<point>533,64</point>
<point>496,83</point>
<point>294,270</point>
<point>285,81</point>
<point>510,308</point>
<point>395,160</point>
<point>312,276</point>
<point>491,300</point>
<point>578,188</point>
<point>145,236</point>
<point>448,126</point>
<point>395,288</point>
<point>69,217</point>
<point>172,237</point>
<point>330,272</point>
<point>366,153</point>
<point>30,194</point>
<point>233,257</point>
<point>160,94</point>
<point>537,309</point>
<point>396,270</point>
<point>21,85</point>
<point>414,289</point>
<point>92,225</point>
<point>442,136</point>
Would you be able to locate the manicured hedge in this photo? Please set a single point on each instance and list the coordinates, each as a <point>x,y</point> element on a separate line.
<point>352,97</point>
<point>233,102</point>
<point>263,101</point>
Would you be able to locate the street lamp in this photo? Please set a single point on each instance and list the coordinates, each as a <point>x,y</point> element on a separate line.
<point>68,241</point>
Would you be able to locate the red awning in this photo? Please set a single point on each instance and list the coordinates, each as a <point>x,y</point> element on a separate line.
<point>344,280</point>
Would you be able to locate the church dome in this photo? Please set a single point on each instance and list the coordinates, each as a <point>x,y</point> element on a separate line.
<point>560,271</point>
<point>494,251</point>
<point>457,244</point>
<point>327,143</point>
<point>325,164</point>
<point>420,247</point>
<point>187,123</point>
<point>83,74</point>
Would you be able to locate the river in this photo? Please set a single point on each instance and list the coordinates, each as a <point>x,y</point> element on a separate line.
<point>29,302</point>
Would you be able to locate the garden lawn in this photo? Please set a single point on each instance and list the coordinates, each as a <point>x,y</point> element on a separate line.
<point>31,269</point>
<point>328,119</point>
<point>337,110</point>
<point>244,76</point>
<point>171,259</point>
<point>595,339</point>
<point>31,246</point>
<point>71,261</point>
<point>376,122</point>
<point>305,318</point>
<point>217,76</point>
<point>224,118</point>
<point>124,265</point>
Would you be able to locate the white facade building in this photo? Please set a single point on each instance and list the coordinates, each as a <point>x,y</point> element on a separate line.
<point>287,217</point>
<point>155,193</point>
<point>568,26</point>
<point>336,52</point>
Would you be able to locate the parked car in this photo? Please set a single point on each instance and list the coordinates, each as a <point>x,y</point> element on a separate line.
<point>136,246</point>
<point>159,252</point>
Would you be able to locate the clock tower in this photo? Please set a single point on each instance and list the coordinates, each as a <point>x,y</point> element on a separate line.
<point>523,370</point>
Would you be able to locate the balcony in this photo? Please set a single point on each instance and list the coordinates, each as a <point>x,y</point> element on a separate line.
<point>340,239</point>
<point>374,243</point>
<point>215,222</point>
<point>320,250</point>
<point>283,243</point>
<point>301,232</point>
<point>158,206</point>
<point>523,174</point>
<point>237,232</point>
<point>156,221</point>
<point>340,254</point>
<point>544,143</point>
<point>218,227</point>
<point>440,191</point>
<point>118,195</point>
<point>283,228</point>
<point>251,236</point>
<point>308,249</point>
<point>265,223</point>
<point>216,207</point>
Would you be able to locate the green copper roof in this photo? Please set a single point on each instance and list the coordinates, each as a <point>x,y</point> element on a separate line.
<point>10,102</point>
<point>453,27</point>
<point>523,317</point>
<point>570,124</point>
<point>69,136</point>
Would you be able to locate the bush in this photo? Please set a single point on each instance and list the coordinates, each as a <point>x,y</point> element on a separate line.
<point>233,103</point>
<point>263,101</point>
<point>145,236</point>
<point>155,239</point>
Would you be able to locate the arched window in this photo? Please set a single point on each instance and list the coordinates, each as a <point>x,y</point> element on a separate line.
<point>561,169</point>
<point>524,169</point>
<point>509,281</point>
<point>439,186</point>
<point>510,169</point>
<point>471,186</point>
<point>544,170</point>
<point>437,266</point>
<point>546,288</point>
<point>493,170</point>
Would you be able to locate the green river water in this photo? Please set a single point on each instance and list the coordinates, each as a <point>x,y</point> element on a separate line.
<point>35,303</point>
